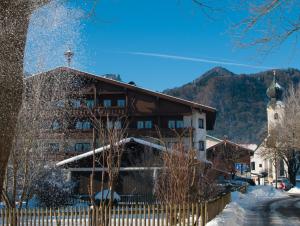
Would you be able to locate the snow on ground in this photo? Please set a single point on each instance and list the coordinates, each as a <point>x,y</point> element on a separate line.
<point>234,213</point>
<point>294,190</point>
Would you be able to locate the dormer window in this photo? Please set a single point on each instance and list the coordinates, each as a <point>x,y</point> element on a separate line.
<point>107,103</point>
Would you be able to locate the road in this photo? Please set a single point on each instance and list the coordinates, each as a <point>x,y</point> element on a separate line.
<point>281,211</point>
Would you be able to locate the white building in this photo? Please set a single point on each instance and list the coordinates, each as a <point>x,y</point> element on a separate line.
<point>260,167</point>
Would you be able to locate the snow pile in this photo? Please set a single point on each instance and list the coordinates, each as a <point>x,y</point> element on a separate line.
<point>241,204</point>
<point>294,190</point>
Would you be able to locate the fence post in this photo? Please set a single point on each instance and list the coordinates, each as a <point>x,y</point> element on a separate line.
<point>198,214</point>
<point>119,216</point>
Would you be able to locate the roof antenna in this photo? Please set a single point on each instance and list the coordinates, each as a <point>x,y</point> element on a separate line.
<point>69,55</point>
<point>274,75</point>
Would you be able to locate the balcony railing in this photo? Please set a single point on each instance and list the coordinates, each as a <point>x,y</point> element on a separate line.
<point>83,111</point>
<point>104,111</point>
<point>164,132</point>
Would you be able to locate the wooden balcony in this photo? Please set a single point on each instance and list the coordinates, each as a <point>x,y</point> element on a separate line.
<point>65,134</point>
<point>164,132</point>
<point>88,134</point>
<point>110,111</point>
<point>84,112</point>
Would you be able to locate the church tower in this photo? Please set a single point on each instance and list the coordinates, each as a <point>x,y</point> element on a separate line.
<point>275,107</point>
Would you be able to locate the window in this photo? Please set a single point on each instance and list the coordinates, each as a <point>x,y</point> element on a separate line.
<point>260,165</point>
<point>107,103</point>
<point>90,104</point>
<point>83,125</point>
<point>75,103</point>
<point>59,103</point>
<point>140,124</point>
<point>276,116</point>
<point>86,125</point>
<point>121,103</point>
<point>109,125</point>
<point>86,146</point>
<point>148,124</point>
<point>82,147</point>
<point>118,124</point>
<point>179,124</point>
<point>171,124</point>
<point>54,147</point>
<point>252,165</point>
<point>55,125</point>
<point>200,123</point>
<point>78,125</point>
<point>201,145</point>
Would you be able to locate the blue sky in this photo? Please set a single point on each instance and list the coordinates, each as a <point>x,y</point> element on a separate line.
<point>158,44</point>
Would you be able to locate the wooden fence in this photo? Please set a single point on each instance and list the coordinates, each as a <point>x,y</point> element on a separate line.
<point>135,215</point>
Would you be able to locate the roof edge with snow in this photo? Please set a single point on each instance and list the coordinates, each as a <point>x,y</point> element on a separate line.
<point>101,149</point>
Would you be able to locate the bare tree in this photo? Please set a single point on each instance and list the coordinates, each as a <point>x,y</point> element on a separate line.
<point>14,21</point>
<point>183,178</point>
<point>110,133</point>
<point>273,21</point>
<point>29,152</point>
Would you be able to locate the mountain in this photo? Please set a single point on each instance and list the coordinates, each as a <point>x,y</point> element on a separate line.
<point>240,100</point>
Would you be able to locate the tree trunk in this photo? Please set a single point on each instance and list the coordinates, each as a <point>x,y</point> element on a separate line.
<point>14,20</point>
<point>291,171</point>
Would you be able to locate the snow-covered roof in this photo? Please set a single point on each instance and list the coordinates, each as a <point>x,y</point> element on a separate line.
<point>101,149</point>
<point>252,147</point>
<point>121,142</point>
<point>213,138</point>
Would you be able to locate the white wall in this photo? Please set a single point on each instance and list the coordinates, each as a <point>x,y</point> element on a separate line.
<point>198,134</point>
<point>271,111</point>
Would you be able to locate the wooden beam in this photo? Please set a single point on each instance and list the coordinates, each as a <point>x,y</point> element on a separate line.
<point>98,169</point>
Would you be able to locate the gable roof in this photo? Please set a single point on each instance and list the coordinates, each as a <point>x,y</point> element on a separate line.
<point>227,142</point>
<point>121,142</point>
<point>101,149</point>
<point>210,111</point>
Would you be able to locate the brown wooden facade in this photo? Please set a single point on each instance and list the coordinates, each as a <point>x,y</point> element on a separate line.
<point>74,95</point>
<point>225,154</point>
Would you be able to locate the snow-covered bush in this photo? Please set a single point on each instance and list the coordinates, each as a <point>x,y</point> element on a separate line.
<point>52,189</point>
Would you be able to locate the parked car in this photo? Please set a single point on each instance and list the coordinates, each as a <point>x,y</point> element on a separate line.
<point>104,196</point>
<point>283,183</point>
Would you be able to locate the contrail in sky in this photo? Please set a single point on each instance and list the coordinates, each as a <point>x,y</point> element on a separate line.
<point>202,60</point>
